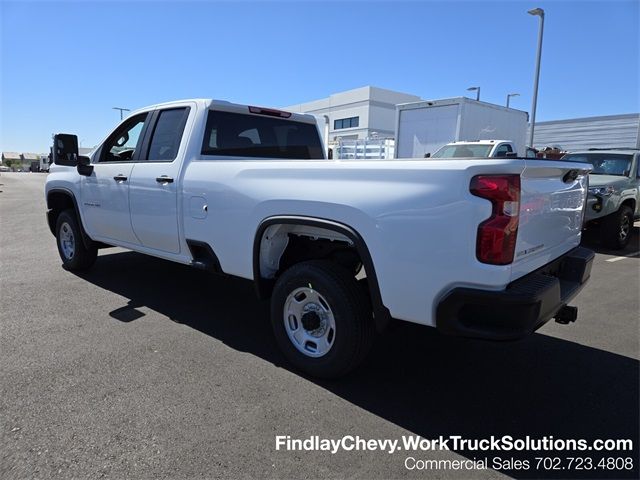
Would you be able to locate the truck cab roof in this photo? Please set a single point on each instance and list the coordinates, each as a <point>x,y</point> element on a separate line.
<point>222,105</point>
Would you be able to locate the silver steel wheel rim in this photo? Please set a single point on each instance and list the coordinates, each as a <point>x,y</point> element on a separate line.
<point>309,322</point>
<point>624,228</point>
<point>67,241</point>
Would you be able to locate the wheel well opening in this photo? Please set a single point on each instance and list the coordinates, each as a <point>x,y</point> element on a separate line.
<point>57,202</point>
<point>281,243</point>
<point>284,245</point>
<point>631,203</point>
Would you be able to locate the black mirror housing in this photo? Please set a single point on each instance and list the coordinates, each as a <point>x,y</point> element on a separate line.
<point>427,155</point>
<point>65,149</point>
<point>84,166</point>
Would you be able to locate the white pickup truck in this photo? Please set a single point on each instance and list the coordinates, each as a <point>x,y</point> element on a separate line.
<point>485,248</point>
<point>482,149</point>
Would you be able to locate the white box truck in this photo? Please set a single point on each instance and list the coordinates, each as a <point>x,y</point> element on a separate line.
<point>424,127</point>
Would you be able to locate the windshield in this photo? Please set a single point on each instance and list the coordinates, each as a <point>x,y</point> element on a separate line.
<point>603,163</point>
<point>463,150</point>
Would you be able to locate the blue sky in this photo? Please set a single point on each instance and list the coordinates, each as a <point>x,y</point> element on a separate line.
<point>66,64</point>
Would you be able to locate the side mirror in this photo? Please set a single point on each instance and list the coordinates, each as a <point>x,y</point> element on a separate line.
<point>427,155</point>
<point>65,149</point>
<point>84,166</point>
<point>330,153</point>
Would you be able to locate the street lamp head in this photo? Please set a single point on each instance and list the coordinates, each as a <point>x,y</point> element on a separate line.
<point>514,94</point>
<point>536,11</point>
<point>477,90</point>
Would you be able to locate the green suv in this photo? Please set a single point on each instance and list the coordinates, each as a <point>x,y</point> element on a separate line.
<point>614,192</point>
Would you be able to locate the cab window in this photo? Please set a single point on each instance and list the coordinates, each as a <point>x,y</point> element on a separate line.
<point>167,134</point>
<point>122,145</point>
<point>503,150</point>
<point>230,134</point>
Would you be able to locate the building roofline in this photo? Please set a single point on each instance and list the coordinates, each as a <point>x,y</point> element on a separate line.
<point>454,101</point>
<point>591,119</point>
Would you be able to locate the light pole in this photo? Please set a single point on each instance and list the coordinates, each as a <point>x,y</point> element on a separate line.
<point>509,95</point>
<point>539,13</point>
<point>121,110</point>
<point>477,89</point>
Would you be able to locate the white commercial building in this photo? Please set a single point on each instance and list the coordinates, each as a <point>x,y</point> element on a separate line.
<point>367,112</point>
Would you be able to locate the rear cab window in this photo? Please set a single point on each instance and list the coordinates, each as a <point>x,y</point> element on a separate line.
<point>463,150</point>
<point>232,134</point>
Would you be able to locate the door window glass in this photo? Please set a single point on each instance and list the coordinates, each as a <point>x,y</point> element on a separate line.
<point>124,142</point>
<point>167,135</point>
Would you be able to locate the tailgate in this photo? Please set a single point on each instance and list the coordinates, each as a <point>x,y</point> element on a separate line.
<point>552,200</point>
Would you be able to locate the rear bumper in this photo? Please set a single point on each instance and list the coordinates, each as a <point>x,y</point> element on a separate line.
<point>521,308</point>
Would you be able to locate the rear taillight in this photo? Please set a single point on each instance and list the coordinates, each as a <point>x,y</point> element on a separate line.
<point>496,242</point>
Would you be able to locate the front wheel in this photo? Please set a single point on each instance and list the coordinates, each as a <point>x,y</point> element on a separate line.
<point>73,252</point>
<point>616,228</point>
<point>321,318</point>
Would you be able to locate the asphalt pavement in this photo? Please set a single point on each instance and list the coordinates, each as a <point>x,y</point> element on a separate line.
<point>142,368</point>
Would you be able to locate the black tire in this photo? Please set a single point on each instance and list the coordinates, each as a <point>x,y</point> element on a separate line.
<point>615,229</point>
<point>348,302</point>
<point>73,252</point>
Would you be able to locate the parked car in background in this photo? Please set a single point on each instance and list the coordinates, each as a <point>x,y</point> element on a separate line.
<point>614,192</point>
<point>481,149</point>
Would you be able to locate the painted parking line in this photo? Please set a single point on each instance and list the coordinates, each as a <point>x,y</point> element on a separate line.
<point>615,259</point>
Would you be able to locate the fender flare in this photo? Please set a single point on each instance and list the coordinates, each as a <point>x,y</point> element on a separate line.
<point>629,198</point>
<point>381,314</point>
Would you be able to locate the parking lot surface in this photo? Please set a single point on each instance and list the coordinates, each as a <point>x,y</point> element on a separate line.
<point>142,368</point>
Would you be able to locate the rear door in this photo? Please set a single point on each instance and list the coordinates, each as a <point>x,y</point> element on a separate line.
<point>552,201</point>
<point>155,178</point>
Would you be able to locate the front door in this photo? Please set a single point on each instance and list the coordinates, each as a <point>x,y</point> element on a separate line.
<point>154,181</point>
<point>105,193</point>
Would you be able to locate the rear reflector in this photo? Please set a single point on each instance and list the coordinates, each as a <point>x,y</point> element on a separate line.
<point>270,112</point>
<point>496,241</point>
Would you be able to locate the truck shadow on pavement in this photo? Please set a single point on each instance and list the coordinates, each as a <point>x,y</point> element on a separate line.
<point>426,383</point>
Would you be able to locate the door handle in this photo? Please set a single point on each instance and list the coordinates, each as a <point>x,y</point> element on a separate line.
<point>120,178</point>
<point>164,179</point>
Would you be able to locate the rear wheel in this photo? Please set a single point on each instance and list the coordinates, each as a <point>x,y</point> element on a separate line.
<point>73,252</point>
<point>321,318</point>
<point>615,229</point>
